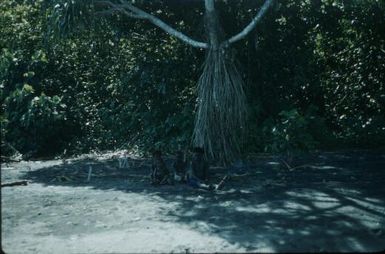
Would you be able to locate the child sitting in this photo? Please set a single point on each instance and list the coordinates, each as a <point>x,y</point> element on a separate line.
<point>197,172</point>
<point>160,174</point>
<point>179,167</point>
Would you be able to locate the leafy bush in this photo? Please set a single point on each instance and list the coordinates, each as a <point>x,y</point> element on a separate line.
<point>39,120</point>
<point>291,132</point>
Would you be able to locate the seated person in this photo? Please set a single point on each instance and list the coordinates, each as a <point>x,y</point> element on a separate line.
<point>197,172</point>
<point>160,174</point>
<point>179,167</point>
<point>195,182</point>
<point>199,165</point>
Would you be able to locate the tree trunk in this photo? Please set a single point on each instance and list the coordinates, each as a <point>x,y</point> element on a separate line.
<point>220,118</point>
<point>212,25</point>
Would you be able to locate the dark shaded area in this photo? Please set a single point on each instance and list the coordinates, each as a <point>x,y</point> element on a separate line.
<point>336,201</point>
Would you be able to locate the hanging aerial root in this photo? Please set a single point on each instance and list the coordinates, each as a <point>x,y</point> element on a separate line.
<point>220,118</point>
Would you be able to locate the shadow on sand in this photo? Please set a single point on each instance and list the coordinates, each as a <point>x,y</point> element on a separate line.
<point>334,203</point>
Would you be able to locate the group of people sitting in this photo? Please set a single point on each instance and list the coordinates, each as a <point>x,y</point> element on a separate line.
<point>194,174</point>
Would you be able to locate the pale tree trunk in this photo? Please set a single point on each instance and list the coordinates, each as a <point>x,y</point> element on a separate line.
<point>212,24</point>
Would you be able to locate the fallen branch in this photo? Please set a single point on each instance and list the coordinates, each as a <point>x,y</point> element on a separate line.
<point>9,159</point>
<point>62,178</point>
<point>12,147</point>
<point>286,164</point>
<point>290,168</point>
<point>221,183</point>
<point>24,182</point>
<point>246,174</point>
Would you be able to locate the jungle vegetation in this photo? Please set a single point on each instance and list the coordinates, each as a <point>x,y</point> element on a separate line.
<point>312,77</point>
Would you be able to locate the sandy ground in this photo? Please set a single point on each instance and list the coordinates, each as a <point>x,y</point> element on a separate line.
<point>334,202</point>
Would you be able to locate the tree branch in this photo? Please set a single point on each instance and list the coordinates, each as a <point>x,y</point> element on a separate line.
<point>251,25</point>
<point>114,10</point>
<point>135,12</point>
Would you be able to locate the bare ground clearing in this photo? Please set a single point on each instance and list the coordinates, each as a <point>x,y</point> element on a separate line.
<point>335,203</point>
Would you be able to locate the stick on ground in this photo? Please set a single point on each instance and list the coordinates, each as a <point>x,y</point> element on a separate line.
<point>14,183</point>
<point>220,184</point>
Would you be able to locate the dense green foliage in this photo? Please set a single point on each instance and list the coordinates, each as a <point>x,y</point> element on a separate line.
<point>314,72</point>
